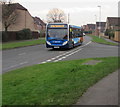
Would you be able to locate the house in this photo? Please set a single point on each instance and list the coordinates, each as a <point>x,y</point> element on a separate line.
<point>113,28</point>
<point>89,28</point>
<point>100,28</point>
<point>113,23</point>
<point>24,20</point>
<point>39,24</point>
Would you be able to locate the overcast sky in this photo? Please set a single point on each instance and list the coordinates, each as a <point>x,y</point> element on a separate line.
<point>81,11</point>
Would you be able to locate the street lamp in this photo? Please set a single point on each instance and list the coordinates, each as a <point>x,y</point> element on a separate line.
<point>95,25</point>
<point>99,20</point>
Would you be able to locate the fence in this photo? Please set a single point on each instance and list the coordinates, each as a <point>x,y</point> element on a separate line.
<point>117,36</point>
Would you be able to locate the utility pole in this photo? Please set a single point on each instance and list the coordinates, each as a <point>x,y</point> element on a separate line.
<point>99,20</point>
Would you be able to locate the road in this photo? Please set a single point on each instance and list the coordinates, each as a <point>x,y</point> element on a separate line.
<point>21,57</point>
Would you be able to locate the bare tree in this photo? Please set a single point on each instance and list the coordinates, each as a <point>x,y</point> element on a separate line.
<point>56,15</point>
<point>9,15</point>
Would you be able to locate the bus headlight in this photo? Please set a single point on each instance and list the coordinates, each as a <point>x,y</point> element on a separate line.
<point>48,43</point>
<point>65,43</point>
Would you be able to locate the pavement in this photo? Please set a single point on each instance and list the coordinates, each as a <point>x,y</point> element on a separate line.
<point>109,40</point>
<point>105,92</point>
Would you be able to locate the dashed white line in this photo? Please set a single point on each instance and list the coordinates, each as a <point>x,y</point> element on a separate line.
<point>12,66</point>
<point>23,63</point>
<point>22,54</point>
<point>42,62</point>
<point>48,60</point>
<point>52,58</point>
<point>67,55</point>
<point>64,54</point>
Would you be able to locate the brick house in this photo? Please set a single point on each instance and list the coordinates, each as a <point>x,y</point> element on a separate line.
<point>90,28</point>
<point>24,21</point>
<point>113,23</point>
<point>39,24</point>
<point>100,27</point>
<point>113,26</point>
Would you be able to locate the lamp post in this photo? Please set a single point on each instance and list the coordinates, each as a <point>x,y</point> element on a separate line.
<point>95,25</point>
<point>99,20</point>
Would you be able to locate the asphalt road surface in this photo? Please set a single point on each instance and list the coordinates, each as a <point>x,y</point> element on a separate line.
<point>21,57</point>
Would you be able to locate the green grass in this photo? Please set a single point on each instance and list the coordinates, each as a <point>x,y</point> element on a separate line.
<point>101,40</point>
<point>22,44</point>
<point>60,83</point>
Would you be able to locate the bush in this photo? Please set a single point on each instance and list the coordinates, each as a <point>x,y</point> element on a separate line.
<point>111,34</point>
<point>42,33</point>
<point>107,32</point>
<point>24,34</point>
<point>88,32</point>
<point>4,36</point>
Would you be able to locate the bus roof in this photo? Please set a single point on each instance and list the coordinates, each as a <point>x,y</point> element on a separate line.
<point>73,26</point>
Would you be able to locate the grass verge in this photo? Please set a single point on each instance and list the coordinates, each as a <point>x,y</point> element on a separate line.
<point>60,83</point>
<point>22,44</point>
<point>102,40</point>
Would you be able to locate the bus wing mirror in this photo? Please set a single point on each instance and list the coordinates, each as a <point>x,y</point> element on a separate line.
<point>83,34</point>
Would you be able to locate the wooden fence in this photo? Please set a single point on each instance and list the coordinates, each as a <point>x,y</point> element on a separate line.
<point>117,36</point>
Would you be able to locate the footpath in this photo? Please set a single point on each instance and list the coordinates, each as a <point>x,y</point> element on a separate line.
<point>109,40</point>
<point>105,92</point>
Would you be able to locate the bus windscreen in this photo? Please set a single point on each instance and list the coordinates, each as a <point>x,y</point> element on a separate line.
<point>57,33</point>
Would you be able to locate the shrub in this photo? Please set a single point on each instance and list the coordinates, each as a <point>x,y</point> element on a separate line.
<point>4,36</point>
<point>107,32</point>
<point>111,34</point>
<point>42,33</point>
<point>24,34</point>
<point>88,32</point>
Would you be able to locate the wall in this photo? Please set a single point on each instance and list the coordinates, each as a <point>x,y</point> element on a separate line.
<point>117,36</point>
<point>24,20</point>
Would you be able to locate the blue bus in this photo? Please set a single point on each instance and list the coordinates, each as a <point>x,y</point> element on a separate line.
<point>59,35</point>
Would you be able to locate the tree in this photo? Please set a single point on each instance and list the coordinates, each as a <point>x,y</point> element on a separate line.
<point>9,16</point>
<point>56,15</point>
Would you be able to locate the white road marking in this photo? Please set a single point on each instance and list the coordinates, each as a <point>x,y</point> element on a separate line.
<point>23,63</point>
<point>52,58</point>
<point>48,60</point>
<point>12,66</point>
<point>22,54</point>
<point>65,55</point>
<point>42,62</point>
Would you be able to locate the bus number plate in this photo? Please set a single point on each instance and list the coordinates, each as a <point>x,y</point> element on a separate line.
<point>56,47</point>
